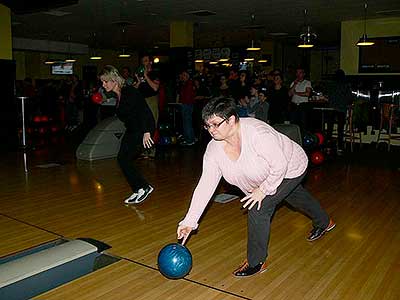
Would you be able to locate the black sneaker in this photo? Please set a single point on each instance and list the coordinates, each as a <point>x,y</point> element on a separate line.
<point>142,194</point>
<point>317,232</point>
<point>245,270</point>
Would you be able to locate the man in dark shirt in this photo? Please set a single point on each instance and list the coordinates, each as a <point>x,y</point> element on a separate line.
<point>278,100</point>
<point>148,84</point>
<point>339,97</point>
<point>187,98</point>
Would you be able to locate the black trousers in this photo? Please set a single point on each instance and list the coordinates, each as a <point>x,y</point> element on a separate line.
<point>341,119</point>
<point>301,115</point>
<point>291,191</point>
<point>130,149</point>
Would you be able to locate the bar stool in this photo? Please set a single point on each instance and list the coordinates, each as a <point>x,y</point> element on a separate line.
<point>350,134</point>
<point>388,117</point>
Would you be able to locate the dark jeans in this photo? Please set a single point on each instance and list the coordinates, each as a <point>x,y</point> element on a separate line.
<point>187,122</point>
<point>130,149</point>
<point>301,116</point>
<point>340,117</point>
<point>72,114</point>
<point>291,191</point>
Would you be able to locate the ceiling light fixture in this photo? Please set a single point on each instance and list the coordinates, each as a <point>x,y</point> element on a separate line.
<point>253,47</point>
<point>123,54</point>
<point>94,55</point>
<point>364,41</point>
<point>48,61</point>
<point>70,59</point>
<point>307,36</point>
<point>124,39</point>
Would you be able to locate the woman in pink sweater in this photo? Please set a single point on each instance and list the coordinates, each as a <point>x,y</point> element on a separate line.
<point>266,165</point>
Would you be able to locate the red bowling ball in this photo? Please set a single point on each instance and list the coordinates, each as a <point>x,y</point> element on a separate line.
<point>97,98</point>
<point>317,157</point>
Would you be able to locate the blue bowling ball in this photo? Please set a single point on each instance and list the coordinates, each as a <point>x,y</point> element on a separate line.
<point>174,261</point>
<point>310,140</point>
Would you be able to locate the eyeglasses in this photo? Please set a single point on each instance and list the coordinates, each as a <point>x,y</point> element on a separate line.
<point>214,126</point>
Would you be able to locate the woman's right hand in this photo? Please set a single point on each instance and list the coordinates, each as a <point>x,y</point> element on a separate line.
<point>183,232</point>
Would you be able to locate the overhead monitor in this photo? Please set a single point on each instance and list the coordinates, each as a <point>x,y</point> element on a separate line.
<point>62,68</point>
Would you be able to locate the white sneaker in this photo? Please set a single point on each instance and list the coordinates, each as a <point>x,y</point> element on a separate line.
<point>131,198</point>
<point>143,193</point>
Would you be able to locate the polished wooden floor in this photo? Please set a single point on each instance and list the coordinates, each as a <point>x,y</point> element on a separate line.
<point>360,259</point>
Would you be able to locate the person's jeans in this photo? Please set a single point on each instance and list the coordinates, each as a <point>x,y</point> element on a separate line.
<point>258,226</point>
<point>341,119</point>
<point>187,122</point>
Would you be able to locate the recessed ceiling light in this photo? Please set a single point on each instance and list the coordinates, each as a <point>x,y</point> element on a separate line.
<point>388,12</point>
<point>253,27</point>
<point>123,23</point>
<point>57,13</point>
<point>278,33</point>
<point>201,13</point>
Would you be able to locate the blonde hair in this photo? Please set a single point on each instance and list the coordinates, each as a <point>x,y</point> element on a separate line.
<point>110,73</point>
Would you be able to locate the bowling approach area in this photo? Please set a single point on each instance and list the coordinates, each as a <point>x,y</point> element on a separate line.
<point>61,197</point>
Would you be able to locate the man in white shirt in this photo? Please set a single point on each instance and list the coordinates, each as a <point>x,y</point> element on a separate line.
<point>300,90</point>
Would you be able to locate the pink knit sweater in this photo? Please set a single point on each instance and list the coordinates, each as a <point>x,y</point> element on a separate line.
<point>266,158</point>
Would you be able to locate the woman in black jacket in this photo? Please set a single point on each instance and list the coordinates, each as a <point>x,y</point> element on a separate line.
<point>134,112</point>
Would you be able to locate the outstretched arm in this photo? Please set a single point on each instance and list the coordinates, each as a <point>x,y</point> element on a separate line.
<point>201,196</point>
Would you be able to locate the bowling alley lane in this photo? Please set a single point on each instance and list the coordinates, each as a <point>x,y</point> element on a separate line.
<point>17,236</point>
<point>126,280</point>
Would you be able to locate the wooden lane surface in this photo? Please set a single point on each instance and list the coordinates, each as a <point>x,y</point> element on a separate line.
<point>17,236</point>
<point>126,280</point>
<point>357,260</point>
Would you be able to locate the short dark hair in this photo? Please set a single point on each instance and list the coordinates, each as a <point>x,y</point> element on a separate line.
<point>279,75</point>
<point>148,55</point>
<point>127,68</point>
<point>220,107</point>
<point>340,75</point>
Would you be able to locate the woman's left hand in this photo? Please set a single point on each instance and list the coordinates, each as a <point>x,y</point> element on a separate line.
<point>256,197</point>
<point>147,141</point>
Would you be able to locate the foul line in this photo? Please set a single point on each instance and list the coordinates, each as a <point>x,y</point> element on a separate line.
<point>186,279</point>
<point>32,225</point>
<point>133,261</point>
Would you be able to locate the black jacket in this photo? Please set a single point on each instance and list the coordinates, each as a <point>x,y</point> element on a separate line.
<point>134,112</point>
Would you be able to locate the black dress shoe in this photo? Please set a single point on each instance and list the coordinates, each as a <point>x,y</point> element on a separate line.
<point>245,270</point>
<point>318,232</point>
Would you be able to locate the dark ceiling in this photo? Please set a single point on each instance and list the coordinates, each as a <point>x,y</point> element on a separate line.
<point>146,23</point>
